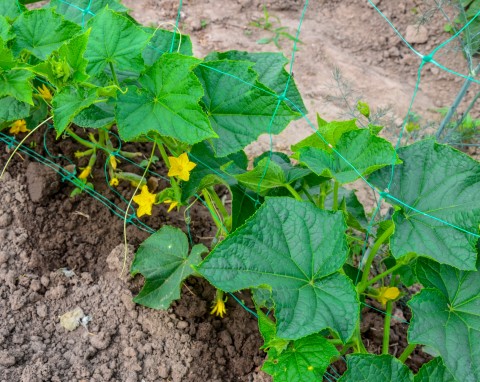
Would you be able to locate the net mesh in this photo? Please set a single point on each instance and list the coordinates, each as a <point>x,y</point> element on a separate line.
<point>424,59</point>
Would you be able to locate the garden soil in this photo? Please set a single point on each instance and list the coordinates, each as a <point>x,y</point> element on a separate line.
<point>59,253</point>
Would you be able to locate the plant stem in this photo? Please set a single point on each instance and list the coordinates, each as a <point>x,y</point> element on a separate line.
<point>163,153</point>
<point>308,195</point>
<point>406,353</point>
<point>213,212</point>
<point>335,196</point>
<point>384,236</point>
<point>218,203</point>
<point>114,75</point>
<point>295,194</point>
<point>358,340</point>
<point>82,141</point>
<point>386,328</point>
<point>382,275</point>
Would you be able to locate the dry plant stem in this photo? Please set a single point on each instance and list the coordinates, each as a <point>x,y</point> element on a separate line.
<point>20,144</point>
<point>406,353</point>
<point>125,241</point>
<point>378,244</point>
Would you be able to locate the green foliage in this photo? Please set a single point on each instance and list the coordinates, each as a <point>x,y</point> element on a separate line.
<point>290,229</point>
<point>372,368</point>
<point>296,250</point>
<point>164,261</point>
<point>441,181</point>
<point>445,316</point>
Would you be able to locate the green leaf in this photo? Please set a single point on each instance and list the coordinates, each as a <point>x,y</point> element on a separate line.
<point>6,58</point>
<point>239,112</point>
<point>11,9</point>
<point>117,40</point>
<point>271,72</point>
<point>17,83</point>
<point>268,330</point>
<point>164,262</point>
<point>375,368</point>
<point>434,371</point>
<point>210,170</point>
<point>11,109</point>
<point>167,103</point>
<point>161,42</point>
<point>67,63</point>
<point>446,317</point>
<point>440,181</point>
<point>96,116</point>
<point>265,176</point>
<point>364,151</point>
<point>80,12</point>
<point>296,249</point>
<point>5,29</point>
<point>329,132</point>
<point>304,360</point>
<point>244,205</point>
<point>68,103</point>
<point>41,31</point>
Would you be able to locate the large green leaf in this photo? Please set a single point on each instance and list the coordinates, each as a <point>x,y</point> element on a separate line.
<point>17,83</point>
<point>304,360</point>
<point>239,107</point>
<point>11,9</point>
<point>80,11</point>
<point>375,368</point>
<point>167,103</point>
<point>164,262</point>
<point>271,72</point>
<point>115,40</point>
<point>161,42</point>
<point>327,133</point>
<point>446,317</point>
<point>68,103</point>
<point>12,109</point>
<point>363,150</point>
<point>41,31</point>
<point>434,371</point>
<point>444,183</point>
<point>296,250</point>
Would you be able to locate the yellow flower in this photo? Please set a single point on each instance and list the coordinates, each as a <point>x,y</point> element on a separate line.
<point>45,92</point>
<point>85,173</point>
<point>173,204</point>
<point>18,127</point>
<point>181,167</point>
<point>386,294</point>
<point>114,182</point>
<point>113,161</point>
<point>219,308</point>
<point>145,201</point>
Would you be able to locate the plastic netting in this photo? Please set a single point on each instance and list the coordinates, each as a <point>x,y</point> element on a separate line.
<point>424,59</point>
